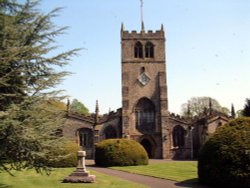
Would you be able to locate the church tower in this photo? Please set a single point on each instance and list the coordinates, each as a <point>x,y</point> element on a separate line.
<point>144,90</point>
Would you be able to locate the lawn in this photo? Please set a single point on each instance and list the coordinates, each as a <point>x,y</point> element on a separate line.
<point>30,179</point>
<point>179,171</point>
<point>172,170</point>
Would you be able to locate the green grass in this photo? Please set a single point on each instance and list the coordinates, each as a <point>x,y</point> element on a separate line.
<point>30,179</point>
<point>172,170</point>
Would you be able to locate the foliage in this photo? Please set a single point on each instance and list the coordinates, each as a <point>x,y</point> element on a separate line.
<point>171,170</point>
<point>196,106</point>
<point>224,160</point>
<point>233,114</point>
<point>79,107</point>
<point>27,137</point>
<point>30,179</point>
<point>246,110</point>
<point>56,104</point>
<point>239,113</point>
<point>65,156</point>
<point>28,73</point>
<point>120,152</point>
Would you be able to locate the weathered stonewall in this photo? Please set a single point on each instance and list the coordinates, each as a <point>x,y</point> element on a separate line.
<point>81,175</point>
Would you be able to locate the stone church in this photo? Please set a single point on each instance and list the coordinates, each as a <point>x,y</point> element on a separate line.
<point>144,115</point>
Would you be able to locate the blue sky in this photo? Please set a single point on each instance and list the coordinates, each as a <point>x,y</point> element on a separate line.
<point>207,47</point>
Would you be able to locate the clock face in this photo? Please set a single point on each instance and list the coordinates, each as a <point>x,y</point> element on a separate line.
<point>144,79</point>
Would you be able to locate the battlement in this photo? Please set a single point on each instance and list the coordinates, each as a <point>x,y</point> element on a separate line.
<point>150,34</point>
<point>111,115</point>
<point>176,116</point>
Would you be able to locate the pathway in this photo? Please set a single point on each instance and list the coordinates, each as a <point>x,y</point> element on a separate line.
<point>145,180</point>
<point>141,179</point>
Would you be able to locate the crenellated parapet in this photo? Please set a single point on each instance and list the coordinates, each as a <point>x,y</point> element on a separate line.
<point>110,116</point>
<point>146,35</point>
<point>177,117</point>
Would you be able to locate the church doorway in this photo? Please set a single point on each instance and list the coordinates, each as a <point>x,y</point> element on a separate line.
<point>148,147</point>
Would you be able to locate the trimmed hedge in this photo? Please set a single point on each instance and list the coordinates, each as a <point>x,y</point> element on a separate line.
<point>65,156</point>
<point>120,152</point>
<point>224,160</point>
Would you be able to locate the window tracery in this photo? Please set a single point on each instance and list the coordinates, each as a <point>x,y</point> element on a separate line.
<point>149,50</point>
<point>138,51</point>
<point>86,137</point>
<point>145,115</point>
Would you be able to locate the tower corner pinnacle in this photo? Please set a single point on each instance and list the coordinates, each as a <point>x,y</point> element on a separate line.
<point>122,27</point>
<point>162,27</point>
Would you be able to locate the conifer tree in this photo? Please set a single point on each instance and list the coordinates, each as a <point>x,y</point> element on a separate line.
<point>246,110</point>
<point>28,74</point>
<point>233,114</point>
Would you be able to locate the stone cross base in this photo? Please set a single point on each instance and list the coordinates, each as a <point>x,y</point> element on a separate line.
<point>79,176</point>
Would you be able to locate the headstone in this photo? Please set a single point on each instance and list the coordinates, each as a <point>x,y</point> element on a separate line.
<point>81,175</point>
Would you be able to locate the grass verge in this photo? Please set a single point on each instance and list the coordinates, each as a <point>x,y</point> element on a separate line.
<point>173,170</point>
<point>31,179</point>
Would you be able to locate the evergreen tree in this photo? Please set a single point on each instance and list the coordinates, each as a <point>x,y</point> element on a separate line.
<point>224,159</point>
<point>79,107</point>
<point>28,126</point>
<point>233,114</point>
<point>246,110</point>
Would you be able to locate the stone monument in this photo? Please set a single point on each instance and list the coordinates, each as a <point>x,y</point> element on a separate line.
<point>81,175</point>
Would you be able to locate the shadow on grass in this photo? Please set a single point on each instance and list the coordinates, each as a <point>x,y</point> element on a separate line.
<point>5,186</point>
<point>192,183</point>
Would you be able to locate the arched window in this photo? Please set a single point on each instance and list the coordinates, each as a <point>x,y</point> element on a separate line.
<point>149,50</point>
<point>86,138</point>
<point>178,136</point>
<point>145,115</point>
<point>138,50</point>
<point>110,132</point>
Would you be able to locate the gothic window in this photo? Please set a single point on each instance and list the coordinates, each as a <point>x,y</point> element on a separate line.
<point>149,50</point>
<point>110,132</point>
<point>86,137</point>
<point>138,50</point>
<point>178,136</point>
<point>145,115</point>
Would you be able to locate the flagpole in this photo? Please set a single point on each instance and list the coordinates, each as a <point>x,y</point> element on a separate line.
<point>142,22</point>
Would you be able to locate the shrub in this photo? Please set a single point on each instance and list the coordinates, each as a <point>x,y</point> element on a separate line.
<point>120,152</point>
<point>65,156</point>
<point>224,160</point>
